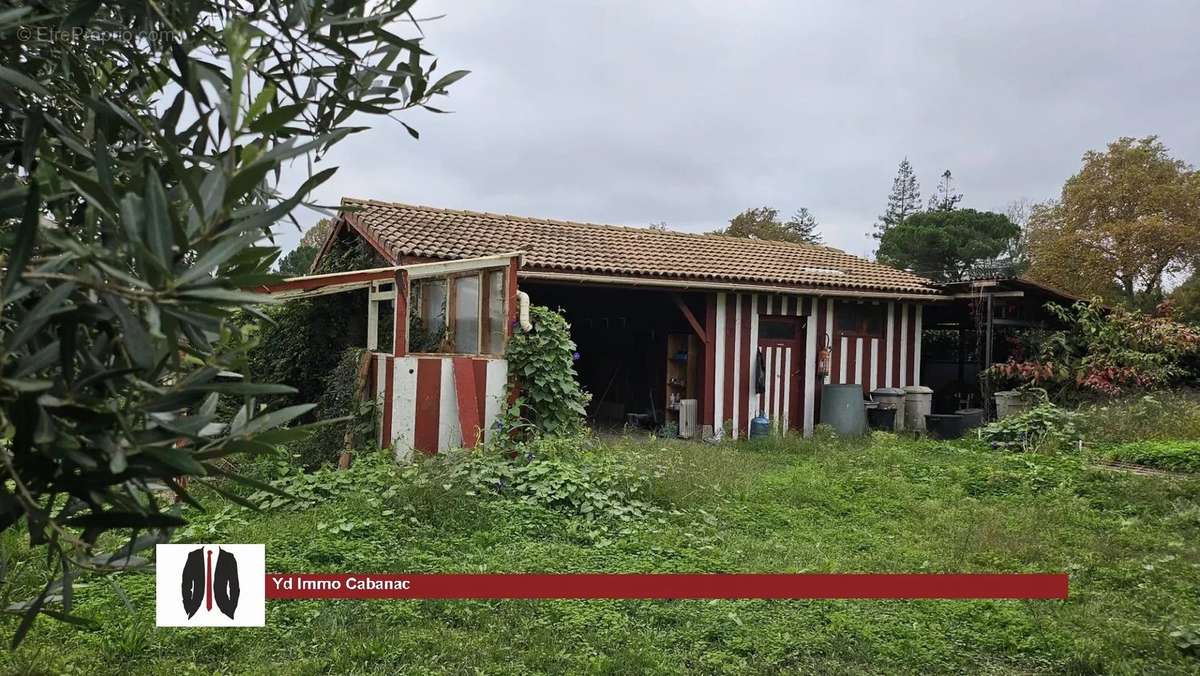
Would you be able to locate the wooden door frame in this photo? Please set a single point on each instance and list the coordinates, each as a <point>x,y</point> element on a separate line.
<point>799,372</point>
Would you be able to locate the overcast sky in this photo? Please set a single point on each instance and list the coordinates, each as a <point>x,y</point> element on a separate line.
<point>634,113</point>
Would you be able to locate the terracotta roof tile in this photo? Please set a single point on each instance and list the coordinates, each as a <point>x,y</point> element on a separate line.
<point>565,246</point>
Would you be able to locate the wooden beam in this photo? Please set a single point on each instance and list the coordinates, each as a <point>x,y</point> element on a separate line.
<point>400,320</point>
<point>687,314</point>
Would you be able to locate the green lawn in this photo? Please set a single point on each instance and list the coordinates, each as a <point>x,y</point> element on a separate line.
<point>1130,544</point>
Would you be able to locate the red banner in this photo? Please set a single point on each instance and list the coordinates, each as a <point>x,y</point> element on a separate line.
<point>667,586</point>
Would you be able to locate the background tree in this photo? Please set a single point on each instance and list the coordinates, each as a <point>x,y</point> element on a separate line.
<point>945,198</point>
<point>298,261</point>
<point>1128,221</point>
<point>764,223</point>
<point>942,245</point>
<point>139,173</point>
<point>1185,300</point>
<point>903,201</point>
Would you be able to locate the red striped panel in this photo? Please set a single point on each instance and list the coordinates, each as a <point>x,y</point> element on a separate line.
<point>880,362</point>
<point>388,394</point>
<point>911,347</point>
<point>895,346</point>
<point>835,364</point>
<point>428,405</point>
<point>851,362</point>
<point>400,316</point>
<point>465,394</point>
<point>730,336</point>
<point>480,366</point>
<point>748,371</point>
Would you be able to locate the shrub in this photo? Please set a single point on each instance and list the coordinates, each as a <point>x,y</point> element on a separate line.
<point>554,473</point>
<point>1177,456</point>
<point>1044,425</point>
<point>1105,351</point>
<point>339,399</point>
<point>541,366</point>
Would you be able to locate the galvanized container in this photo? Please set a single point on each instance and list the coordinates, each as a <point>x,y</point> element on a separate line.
<point>843,408</point>
<point>894,397</point>
<point>918,403</point>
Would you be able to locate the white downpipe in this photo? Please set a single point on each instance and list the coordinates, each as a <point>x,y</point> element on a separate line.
<point>523,310</point>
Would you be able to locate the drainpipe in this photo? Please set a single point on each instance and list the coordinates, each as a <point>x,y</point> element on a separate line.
<point>523,311</point>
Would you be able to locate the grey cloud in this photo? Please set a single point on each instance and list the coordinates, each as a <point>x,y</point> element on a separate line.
<point>635,112</point>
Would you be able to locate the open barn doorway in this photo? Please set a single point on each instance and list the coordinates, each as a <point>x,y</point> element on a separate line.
<point>638,354</point>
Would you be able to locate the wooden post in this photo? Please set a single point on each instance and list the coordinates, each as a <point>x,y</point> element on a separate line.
<point>709,390</point>
<point>400,321</point>
<point>360,394</point>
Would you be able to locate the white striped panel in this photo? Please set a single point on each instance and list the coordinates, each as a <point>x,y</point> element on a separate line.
<point>737,366</point>
<point>449,427</point>
<point>887,346</point>
<point>493,405</point>
<point>765,406</point>
<point>787,388</point>
<point>903,344</point>
<point>719,374</point>
<point>810,367</point>
<point>777,384</point>
<point>404,407</point>
<point>844,351</point>
<point>858,360</point>
<point>874,364</point>
<point>380,395</point>
<point>917,344</point>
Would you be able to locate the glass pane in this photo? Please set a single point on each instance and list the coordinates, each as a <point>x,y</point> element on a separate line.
<point>497,318</point>
<point>427,321</point>
<point>776,330</point>
<point>466,314</point>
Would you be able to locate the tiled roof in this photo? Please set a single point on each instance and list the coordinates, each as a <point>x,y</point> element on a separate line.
<point>564,246</point>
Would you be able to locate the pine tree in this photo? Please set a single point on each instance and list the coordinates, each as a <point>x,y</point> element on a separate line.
<point>904,200</point>
<point>803,227</point>
<point>945,199</point>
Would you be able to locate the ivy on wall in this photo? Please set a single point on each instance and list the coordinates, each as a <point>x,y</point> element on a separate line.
<point>541,366</point>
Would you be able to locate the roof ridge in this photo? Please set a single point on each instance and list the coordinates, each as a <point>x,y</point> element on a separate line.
<point>606,226</point>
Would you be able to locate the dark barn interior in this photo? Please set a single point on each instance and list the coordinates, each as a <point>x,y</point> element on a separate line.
<point>621,336</point>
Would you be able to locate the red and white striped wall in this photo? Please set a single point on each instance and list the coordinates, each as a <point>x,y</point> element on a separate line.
<point>426,403</point>
<point>891,359</point>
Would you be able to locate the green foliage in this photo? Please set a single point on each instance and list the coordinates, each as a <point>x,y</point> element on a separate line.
<point>303,342</point>
<point>1106,351</point>
<point>1044,426</point>
<point>765,223</point>
<point>1185,301</point>
<point>944,244</point>
<point>1162,415</point>
<point>1175,456</point>
<point>142,146</point>
<point>541,365</point>
<point>339,399</point>
<point>556,474</point>
<point>297,261</point>
<point>886,504</point>
<point>1187,639</point>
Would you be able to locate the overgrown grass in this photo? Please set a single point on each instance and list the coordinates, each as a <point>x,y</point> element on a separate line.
<point>1130,544</point>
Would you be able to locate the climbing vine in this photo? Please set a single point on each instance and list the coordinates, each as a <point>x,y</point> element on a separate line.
<point>541,367</point>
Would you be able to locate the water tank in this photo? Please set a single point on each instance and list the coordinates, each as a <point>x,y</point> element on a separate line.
<point>760,426</point>
<point>918,403</point>
<point>842,407</point>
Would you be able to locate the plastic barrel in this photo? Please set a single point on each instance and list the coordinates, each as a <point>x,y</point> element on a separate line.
<point>843,408</point>
<point>760,427</point>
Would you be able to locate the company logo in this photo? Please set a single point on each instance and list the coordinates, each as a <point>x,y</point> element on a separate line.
<point>210,585</point>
